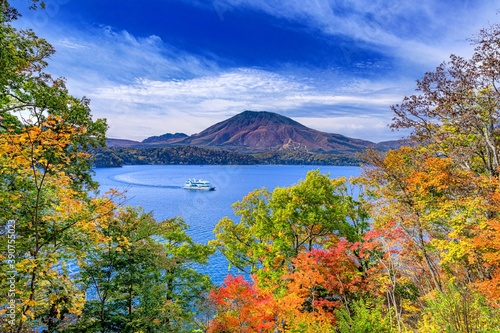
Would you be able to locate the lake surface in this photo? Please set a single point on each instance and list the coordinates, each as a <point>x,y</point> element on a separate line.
<point>158,189</point>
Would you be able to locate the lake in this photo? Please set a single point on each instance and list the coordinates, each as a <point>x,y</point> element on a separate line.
<point>158,189</point>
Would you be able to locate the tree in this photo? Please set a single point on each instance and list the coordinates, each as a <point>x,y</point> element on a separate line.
<point>242,308</point>
<point>458,309</point>
<point>441,194</point>
<point>275,227</point>
<point>45,178</point>
<point>434,203</point>
<point>326,280</point>
<point>486,247</point>
<point>456,112</point>
<point>142,277</point>
<point>55,219</point>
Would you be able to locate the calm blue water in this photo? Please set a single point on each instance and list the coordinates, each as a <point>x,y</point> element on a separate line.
<point>158,189</point>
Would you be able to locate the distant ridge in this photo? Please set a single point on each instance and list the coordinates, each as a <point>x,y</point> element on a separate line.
<point>168,137</point>
<point>260,131</point>
<point>121,143</point>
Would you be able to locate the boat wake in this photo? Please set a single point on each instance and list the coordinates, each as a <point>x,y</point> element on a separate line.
<point>134,184</point>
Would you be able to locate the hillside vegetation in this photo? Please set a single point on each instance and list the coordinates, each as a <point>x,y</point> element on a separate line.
<point>115,157</point>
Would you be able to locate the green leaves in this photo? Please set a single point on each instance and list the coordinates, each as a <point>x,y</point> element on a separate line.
<point>142,276</point>
<point>275,227</point>
<point>365,316</point>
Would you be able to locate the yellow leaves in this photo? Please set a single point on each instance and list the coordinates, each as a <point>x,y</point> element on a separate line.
<point>28,315</point>
<point>43,129</point>
<point>26,264</point>
<point>30,302</point>
<point>28,148</point>
<point>453,252</point>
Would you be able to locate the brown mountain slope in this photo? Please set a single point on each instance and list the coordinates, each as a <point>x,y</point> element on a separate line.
<point>257,131</point>
<point>261,131</point>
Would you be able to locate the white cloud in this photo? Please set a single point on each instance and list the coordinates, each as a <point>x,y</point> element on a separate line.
<point>102,56</point>
<point>424,32</point>
<point>145,87</point>
<point>192,105</point>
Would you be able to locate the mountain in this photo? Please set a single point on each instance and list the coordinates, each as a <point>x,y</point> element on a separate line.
<point>168,138</point>
<point>257,132</point>
<point>392,144</point>
<point>121,143</point>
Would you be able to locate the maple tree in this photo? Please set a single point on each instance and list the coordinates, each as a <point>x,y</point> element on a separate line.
<point>329,279</point>
<point>427,210</point>
<point>440,196</point>
<point>242,307</point>
<point>485,246</point>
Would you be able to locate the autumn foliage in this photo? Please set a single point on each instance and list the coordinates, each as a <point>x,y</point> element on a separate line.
<point>412,245</point>
<point>242,307</point>
<point>429,258</point>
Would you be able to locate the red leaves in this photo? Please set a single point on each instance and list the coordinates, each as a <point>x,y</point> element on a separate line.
<point>242,307</point>
<point>322,281</point>
<point>325,278</point>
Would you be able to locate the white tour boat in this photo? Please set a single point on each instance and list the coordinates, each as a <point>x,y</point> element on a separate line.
<point>198,184</point>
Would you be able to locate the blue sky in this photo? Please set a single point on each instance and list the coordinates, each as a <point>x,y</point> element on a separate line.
<point>158,66</point>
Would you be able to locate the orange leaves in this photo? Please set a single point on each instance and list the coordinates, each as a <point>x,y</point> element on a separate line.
<point>487,242</point>
<point>431,176</point>
<point>40,146</point>
<point>322,281</point>
<point>242,307</point>
<point>335,271</point>
<point>438,224</point>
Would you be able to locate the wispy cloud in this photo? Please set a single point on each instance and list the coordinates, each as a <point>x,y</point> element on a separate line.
<point>205,100</point>
<point>101,55</point>
<point>424,32</point>
<point>145,86</point>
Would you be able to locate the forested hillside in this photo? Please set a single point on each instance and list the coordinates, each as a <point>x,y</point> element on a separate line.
<point>115,157</point>
<point>413,245</point>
